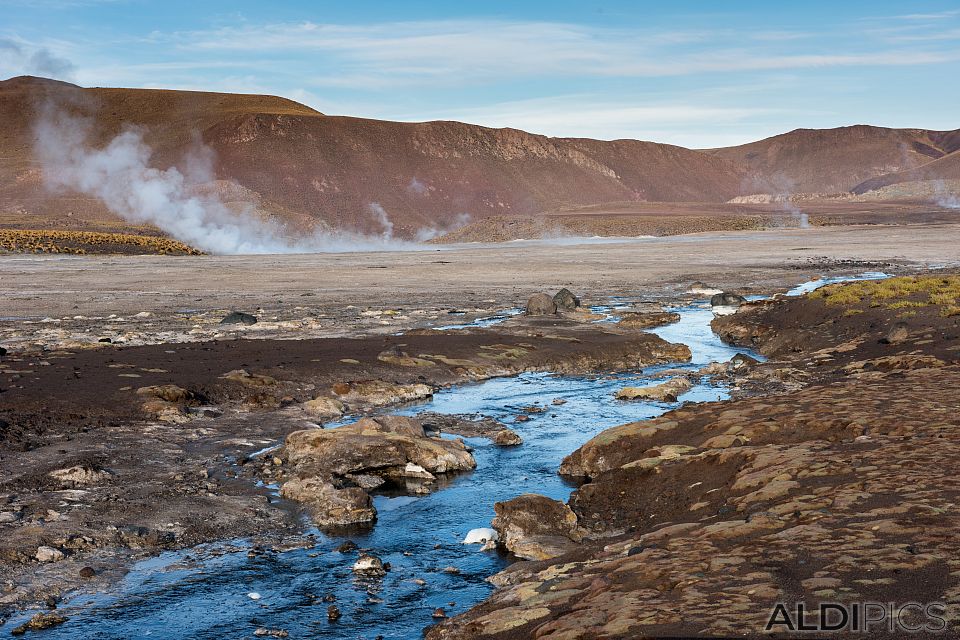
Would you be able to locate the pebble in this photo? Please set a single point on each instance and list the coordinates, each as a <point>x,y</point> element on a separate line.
<point>333,613</point>
<point>439,613</point>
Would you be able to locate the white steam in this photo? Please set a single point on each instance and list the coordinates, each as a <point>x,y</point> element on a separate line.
<point>381,217</point>
<point>119,174</point>
<point>944,196</point>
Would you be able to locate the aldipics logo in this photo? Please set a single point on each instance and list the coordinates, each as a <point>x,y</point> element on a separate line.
<point>859,617</point>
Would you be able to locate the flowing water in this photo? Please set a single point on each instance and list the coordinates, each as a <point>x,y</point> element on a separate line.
<point>206,592</point>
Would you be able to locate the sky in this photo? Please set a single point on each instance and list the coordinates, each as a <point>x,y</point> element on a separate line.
<point>697,74</point>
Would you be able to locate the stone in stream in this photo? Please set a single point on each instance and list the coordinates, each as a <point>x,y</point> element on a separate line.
<point>540,304</point>
<point>333,613</point>
<point>324,407</point>
<point>668,391</point>
<point>239,317</point>
<point>39,622</point>
<point>534,527</point>
<point>347,547</point>
<point>439,613</point>
<point>369,565</point>
<point>384,445</point>
<point>647,319</point>
<point>330,506</point>
<point>727,299</point>
<point>564,299</point>
<point>506,438</point>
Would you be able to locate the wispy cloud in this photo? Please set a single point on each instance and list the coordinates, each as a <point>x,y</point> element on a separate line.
<point>462,51</point>
<point>18,57</point>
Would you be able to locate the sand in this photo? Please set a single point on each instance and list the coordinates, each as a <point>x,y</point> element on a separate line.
<point>488,275</point>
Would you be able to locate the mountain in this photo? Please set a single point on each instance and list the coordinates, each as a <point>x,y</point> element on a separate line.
<point>944,168</point>
<point>304,168</point>
<point>835,160</point>
<point>295,162</point>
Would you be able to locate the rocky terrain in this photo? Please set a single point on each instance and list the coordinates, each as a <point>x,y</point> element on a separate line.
<point>831,478</point>
<point>113,452</point>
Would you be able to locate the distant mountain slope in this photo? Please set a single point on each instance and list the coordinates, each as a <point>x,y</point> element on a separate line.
<point>297,163</point>
<point>945,168</point>
<point>835,160</point>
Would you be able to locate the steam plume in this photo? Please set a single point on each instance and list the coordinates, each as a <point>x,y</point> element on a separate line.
<point>119,174</point>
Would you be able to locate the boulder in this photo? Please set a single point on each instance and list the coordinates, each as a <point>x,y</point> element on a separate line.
<point>506,438</point>
<point>564,299</point>
<point>49,554</point>
<point>369,565</point>
<point>534,527</point>
<point>378,393</point>
<point>39,622</point>
<point>703,289</point>
<point>324,408</point>
<point>166,402</point>
<point>647,320</point>
<point>726,299</point>
<point>743,361</point>
<point>239,317</point>
<point>540,304</point>
<point>166,392</point>
<point>332,469</point>
<point>328,505</point>
<point>668,391</point>
<point>79,476</point>
<point>385,444</point>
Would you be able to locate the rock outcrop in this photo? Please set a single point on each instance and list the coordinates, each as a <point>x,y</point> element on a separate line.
<point>333,468</point>
<point>534,527</point>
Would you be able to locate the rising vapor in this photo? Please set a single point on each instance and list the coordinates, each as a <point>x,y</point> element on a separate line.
<point>119,174</point>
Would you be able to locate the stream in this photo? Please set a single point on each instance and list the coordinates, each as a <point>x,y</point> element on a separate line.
<point>217,591</point>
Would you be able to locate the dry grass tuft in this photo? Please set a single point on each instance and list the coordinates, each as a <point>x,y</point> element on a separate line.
<point>83,242</point>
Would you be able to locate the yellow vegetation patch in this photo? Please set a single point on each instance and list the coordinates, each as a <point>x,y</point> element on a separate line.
<point>82,242</point>
<point>910,292</point>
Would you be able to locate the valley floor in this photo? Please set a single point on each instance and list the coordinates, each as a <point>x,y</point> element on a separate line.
<point>99,474</point>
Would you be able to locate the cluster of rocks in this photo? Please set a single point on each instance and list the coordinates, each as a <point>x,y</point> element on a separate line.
<point>542,304</point>
<point>332,470</point>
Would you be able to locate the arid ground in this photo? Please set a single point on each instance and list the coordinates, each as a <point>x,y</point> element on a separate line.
<point>129,416</point>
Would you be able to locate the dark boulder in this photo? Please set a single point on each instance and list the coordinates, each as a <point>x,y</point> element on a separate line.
<point>239,317</point>
<point>540,304</point>
<point>566,300</point>
<point>727,299</point>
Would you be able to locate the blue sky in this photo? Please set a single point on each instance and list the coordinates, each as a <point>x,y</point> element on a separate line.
<point>699,74</point>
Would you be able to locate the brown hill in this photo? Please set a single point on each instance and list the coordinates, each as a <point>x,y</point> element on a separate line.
<point>944,168</point>
<point>835,160</point>
<point>299,164</point>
